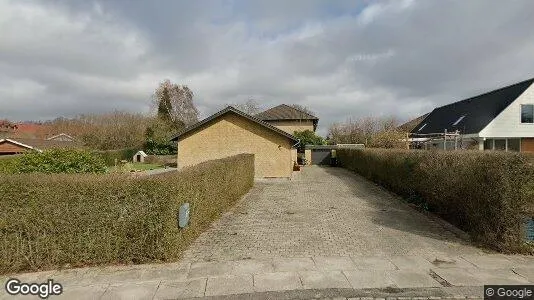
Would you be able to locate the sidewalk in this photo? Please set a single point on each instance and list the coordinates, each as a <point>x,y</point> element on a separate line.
<point>295,278</point>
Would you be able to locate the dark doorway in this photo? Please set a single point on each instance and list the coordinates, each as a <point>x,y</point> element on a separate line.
<point>321,156</point>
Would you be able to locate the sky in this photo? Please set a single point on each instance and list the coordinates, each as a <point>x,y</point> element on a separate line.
<point>341,59</point>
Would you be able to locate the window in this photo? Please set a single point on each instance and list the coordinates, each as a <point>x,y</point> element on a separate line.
<point>422,127</point>
<point>458,121</point>
<point>527,113</point>
<point>500,145</point>
<point>514,144</point>
<point>488,144</point>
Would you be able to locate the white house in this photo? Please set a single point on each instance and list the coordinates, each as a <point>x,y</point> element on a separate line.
<point>502,119</point>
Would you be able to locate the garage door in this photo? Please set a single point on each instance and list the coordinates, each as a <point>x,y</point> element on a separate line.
<point>321,156</point>
<point>527,145</point>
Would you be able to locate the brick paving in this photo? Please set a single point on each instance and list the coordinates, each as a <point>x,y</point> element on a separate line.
<point>324,212</point>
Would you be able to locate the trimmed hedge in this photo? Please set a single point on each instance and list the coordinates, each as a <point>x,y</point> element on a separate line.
<point>57,161</point>
<point>165,160</point>
<point>72,220</point>
<point>487,194</point>
<point>109,156</point>
<point>7,163</point>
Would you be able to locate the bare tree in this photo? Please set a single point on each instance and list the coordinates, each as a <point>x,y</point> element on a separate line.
<point>373,132</point>
<point>303,109</point>
<point>250,107</point>
<point>114,130</point>
<point>176,101</point>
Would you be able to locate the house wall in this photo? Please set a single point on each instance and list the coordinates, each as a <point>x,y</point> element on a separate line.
<point>231,134</point>
<point>10,148</point>
<point>290,126</point>
<point>527,145</point>
<point>293,156</point>
<point>307,155</point>
<point>508,122</point>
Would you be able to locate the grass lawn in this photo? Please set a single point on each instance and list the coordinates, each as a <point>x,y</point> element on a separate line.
<point>135,166</point>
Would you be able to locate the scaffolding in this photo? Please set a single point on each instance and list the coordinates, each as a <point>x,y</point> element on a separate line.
<point>440,140</point>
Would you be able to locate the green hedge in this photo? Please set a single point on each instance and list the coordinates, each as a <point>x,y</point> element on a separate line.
<point>7,164</point>
<point>71,220</point>
<point>58,161</point>
<point>487,194</point>
<point>109,156</point>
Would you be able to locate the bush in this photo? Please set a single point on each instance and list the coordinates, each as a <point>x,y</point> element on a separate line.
<point>487,194</point>
<point>164,160</point>
<point>74,220</point>
<point>7,164</point>
<point>58,161</point>
<point>109,156</point>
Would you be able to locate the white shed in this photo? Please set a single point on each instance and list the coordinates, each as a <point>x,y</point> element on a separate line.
<point>139,156</point>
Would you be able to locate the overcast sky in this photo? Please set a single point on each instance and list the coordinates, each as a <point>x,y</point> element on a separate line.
<point>339,58</point>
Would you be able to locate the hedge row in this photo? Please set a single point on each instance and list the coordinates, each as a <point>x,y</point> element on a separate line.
<point>165,160</point>
<point>72,220</point>
<point>7,163</point>
<point>487,194</point>
<point>110,156</point>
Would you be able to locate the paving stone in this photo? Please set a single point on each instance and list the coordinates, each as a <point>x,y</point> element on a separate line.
<point>368,279</point>
<point>89,292</point>
<point>181,289</point>
<point>110,275</point>
<point>373,263</point>
<point>252,267</point>
<point>171,272</point>
<point>458,276</point>
<point>293,264</point>
<point>229,285</point>
<point>34,276</point>
<point>527,273</point>
<point>496,276</point>
<point>279,281</point>
<point>444,262</point>
<point>206,269</point>
<point>412,279</point>
<point>324,279</point>
<point>487,261</point>
<point>333,263</point>
<point>71,277</point>
<point>131,291</point>
<point>411,263</point>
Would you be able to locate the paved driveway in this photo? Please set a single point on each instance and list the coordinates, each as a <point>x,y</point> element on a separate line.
<point>324,212</point>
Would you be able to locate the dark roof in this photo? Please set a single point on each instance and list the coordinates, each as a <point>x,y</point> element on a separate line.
<point>478,111</point>
<point>284,112</point>
<point>410,125</point>
<point>231,109</point>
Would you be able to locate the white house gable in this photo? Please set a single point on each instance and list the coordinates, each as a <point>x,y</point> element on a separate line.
<point>508,122</point>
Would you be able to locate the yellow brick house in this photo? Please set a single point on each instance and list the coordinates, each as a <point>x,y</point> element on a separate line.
<point>230,132</point>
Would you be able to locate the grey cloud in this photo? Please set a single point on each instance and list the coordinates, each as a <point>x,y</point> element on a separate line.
<point>341,58</point>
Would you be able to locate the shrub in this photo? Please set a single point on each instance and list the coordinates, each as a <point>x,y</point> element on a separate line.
<point>109,156</point>
<point>484,193</point>
<point>7,164</point>
<point>308,137</point>
<point>165,160</point>
<point>58,161</point>
<point>71,220</point>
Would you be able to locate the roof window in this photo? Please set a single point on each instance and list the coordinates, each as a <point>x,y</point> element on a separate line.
<point>458,121</point>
